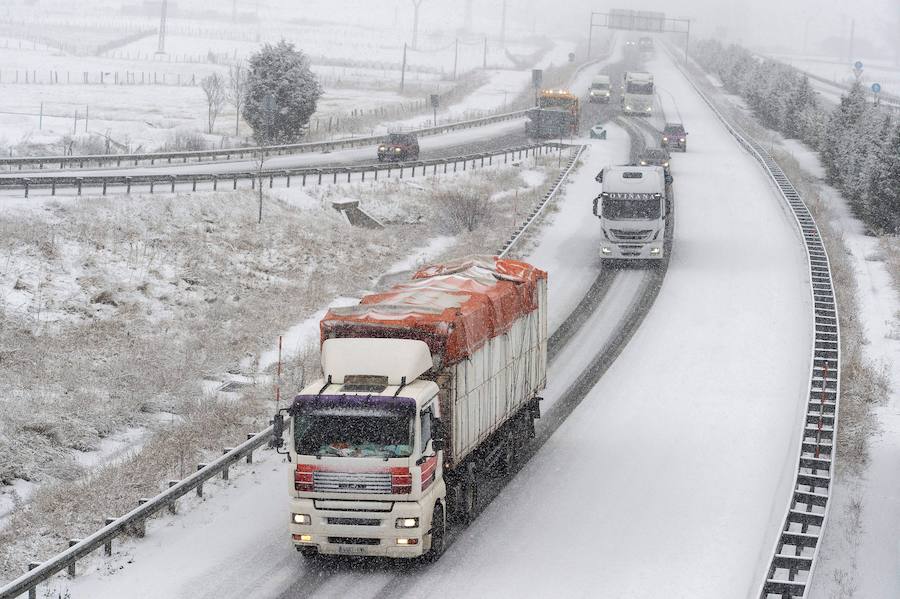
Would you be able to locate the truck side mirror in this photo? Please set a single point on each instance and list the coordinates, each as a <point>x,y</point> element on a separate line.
<point>278,431</point>
<point>437,434</point>
<point>599,177</point>
<point>668,179</point>
<point>597,206</point>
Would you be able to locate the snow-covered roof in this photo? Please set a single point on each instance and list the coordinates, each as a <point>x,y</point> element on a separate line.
<point>634,179</point>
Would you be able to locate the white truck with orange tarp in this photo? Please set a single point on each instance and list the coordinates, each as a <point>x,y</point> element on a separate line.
<point>424,386</point>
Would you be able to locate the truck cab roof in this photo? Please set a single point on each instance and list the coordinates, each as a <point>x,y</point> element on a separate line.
<point>633,179</point>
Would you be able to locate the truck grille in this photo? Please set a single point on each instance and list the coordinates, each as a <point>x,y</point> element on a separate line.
<point>355,482</point>
<point>642,235</point>
<point>354,521</point>
<point>353,541</point>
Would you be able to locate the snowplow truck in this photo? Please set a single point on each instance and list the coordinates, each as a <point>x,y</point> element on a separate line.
<point>423,386</point>
<point>556,115</point>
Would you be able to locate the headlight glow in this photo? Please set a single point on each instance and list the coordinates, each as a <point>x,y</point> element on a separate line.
<point>407,541</point>
<point>301,519</point>
<point>665,139</point>
<point>606,250</point>
<point>654,251</point>
<point>407,523</point>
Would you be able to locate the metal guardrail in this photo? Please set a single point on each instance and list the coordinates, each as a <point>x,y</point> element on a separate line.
<point>99,160</point>
<point>133,521</point>
<point>794,555</point>
<point>315,176</point>
<point>539,208</point>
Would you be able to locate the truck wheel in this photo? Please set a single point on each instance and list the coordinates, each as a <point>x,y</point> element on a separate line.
<point>509,454</point>
<point>470,494</point>
<point>438,534</point>
<point>308,552</point>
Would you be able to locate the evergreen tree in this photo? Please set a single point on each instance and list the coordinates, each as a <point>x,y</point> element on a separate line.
<point>283,72</point>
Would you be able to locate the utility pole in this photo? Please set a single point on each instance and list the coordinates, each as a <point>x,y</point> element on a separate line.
<point>161,49</point>
<point>403,70</point>
<point>503,25</point>
<point>415,38</point>
<point>455,58</point>
<point>41,117</point>
<point>484,60</point>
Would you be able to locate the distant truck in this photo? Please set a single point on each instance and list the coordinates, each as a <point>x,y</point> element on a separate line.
<point>399,146</point>
<point>556,115</point>
<point>637,93</point>
<point>632,209</point>
<point>645,44</point>
<point>424,385</point>
<point>599,91</point>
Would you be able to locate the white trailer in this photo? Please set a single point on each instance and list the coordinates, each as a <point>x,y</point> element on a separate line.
<point>632,209</point>
<point>424,385</point>
<point>599,91</point>
<point>637,93</point>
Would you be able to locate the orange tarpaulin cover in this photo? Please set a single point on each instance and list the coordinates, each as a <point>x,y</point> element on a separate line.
<point>454,307</point>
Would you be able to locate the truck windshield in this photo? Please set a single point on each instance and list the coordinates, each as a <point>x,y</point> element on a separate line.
<point>634,87</point>
<point>615,209</point>
<point>600,86</point>
<point>353,433</point>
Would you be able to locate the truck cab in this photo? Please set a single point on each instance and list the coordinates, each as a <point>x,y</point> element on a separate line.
<point>637,93</point>
<point>366,445</point>
<point>599,91</point>
<point>632,211</point>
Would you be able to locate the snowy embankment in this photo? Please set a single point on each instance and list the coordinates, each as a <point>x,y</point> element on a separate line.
<point>680,458</point>
<point>867,551</point>
<point>237,542</point>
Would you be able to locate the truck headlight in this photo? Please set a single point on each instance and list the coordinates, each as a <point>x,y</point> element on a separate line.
<point>649,109</point>
<point>382,148</point>
<point>407,523</point>
<point>301,519</point>
<point>665,139</point>
<point>627,107</point>
<point>397,150</point>
<point>654,251</point>
<point>605,250</point>
<point>407,541</point>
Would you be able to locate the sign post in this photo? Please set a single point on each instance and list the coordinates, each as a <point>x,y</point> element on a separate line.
<point>876,89</point>
<point>857,69</point>
<point>435,102</point>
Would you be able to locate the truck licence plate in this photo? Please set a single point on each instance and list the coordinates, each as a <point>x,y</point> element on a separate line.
<point>352,549</point>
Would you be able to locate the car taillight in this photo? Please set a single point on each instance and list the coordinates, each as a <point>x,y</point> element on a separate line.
<point>401,481</point>
<point>303,477</point>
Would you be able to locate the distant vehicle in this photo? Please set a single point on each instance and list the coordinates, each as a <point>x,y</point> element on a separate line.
<point>645,44</point>
<point>656,157</point>
<point>600,89</point>
<point>637,93</point>
<point>674,136</point>
<point>399,146</point>
<point>556,115</point>
<point>632,210</point>
<point>598,132</point>
<point>426,388</point>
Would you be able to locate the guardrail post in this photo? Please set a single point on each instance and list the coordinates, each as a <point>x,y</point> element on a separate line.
<point>140,527</point>
<point>335,176</point>
<point>490,160</point>
<point>235,182</point>
<point>465,163</point>
<point>104,187</point>
<point>505,158</point>
<point>348,175</point>
<point>26,187</point>
<point>128,185</point>
<point>401,171</point>
<point>320,176</point>
<point>194,184</point>
<point>376,173</point>
<point>118,162</point>
<point>303,180</point>
<point>173,184</point>
<point>482,162</point>
<point>271,181</point>
<point>53,188</point>
<point>287,177</point>
<point>32,592</point>
<point>151,185</point>
<point>80,180</point>
<point>445,167</point>
<point>215,179</point>
<point>107,547</point>
<point>172,505</point>
<point>434,170</point>
<point>227,468</point>
<point>152,160</point>
<point>71,569</point>
<point>363,178</point>
<point>200,486</point>
<point>250,453</point>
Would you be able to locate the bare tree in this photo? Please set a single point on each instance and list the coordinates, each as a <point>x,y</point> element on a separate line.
<point>462,210</point>
<point>214,88</point>
<point>237,87</point>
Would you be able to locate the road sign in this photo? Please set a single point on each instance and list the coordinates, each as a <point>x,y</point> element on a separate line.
<point>858,65</point>
<point>537,76</point>
<point>876,87</point>
<point>435,100</point>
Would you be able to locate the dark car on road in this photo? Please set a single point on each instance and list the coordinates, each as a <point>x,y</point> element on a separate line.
<point>399,146</point>
<point>674,136</point>
<point>656,157</point>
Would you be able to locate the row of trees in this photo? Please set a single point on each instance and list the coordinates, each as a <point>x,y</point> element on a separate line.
<point>859,143</point>
<point>276,92</point>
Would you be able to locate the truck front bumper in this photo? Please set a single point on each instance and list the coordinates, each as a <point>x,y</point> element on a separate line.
<point>362,533</point>
<point>631,251</point>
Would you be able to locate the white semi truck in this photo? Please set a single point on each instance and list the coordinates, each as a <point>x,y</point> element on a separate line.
<point>637,93</point>
<point>600,89</point>
<point>632,209</point>
<point>425,386</point>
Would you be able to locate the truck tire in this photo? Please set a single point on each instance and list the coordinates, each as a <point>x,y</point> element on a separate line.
<point>308,552</point>
<point>438,534</point>
<point>508,457</point>
<point>463,497</point>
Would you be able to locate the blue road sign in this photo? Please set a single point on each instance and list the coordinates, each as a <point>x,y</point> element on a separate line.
<point>876,87</point>
<point>858,65</point>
